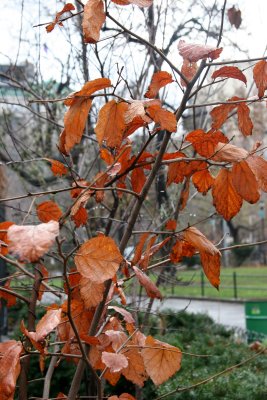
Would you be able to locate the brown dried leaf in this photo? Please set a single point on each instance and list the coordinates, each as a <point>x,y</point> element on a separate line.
<point>234,17</point>
<point>245,182</point>
<point>30,242</point>
<point>229,72</point>
<point>9,368</point>
<point>225,198</point>
<point>159,80</point>
<point>48,211</point>
<point>67,7</point>
<point>205,143</point>
<point>115,362</point>
<point>165,118</point>
<point>93,20</point>
<point>260,76</point>
<point>259,167</point>
<point>228,152</point>
<point>161,360</point>
<point>189,70</point>
<point>203,181</point>
<point>91,292</point>
<point>98,259</point>
<point>151,289</point>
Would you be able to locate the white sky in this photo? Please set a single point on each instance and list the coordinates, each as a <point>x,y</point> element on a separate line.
<point>252,37</point>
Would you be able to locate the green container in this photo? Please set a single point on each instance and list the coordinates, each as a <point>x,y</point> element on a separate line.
<point>256,316</point>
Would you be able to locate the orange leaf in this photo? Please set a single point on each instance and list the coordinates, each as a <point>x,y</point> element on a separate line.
<point>194,52</point>
<point>91,292</point>
<point>44,274</point>
<point>48,211</point>
<point>260,76</point>
<point>161,360</point>
<point>245,182</point>
<point>151,289</point>
<point>220,114</point>
<point>229,72</point>
<point>111,123</point>
<point>115,362</point>
<point>225,198</point>
<point>205,143</point>
<point>159,80</point>
<point>189,70</point>
<point>93,20</point>
<point>171,225</point>
<point>228,152</point>
<point>176,170</point>
<point>137,108</point>
<point>138,179</point>
<point>211,265</point>
<point>30,242</point>
<point>259,167</point>
<point>126,314</point>
<point>184,194</point>
<point>135,372</point>
<point>199,241</point>
<point>57,167</point>
<point>9,368</point>
<point>80,217</point>
<point>3,236</point>
<point>165,118</point>
<point>181,249</point>
<point>245,124</point>
<point>66,8</point>
<point>98,259</point>
<point>76,117</point>
<point>203,181</point>
<point>139,248</point>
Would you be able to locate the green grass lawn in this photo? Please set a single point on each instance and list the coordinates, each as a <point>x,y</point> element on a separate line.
<point>251,284</point>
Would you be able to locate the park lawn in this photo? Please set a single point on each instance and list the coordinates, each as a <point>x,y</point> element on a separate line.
<point>251,284</point>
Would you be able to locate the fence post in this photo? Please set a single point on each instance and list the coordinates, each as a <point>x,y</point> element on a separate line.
<point>202,284</point>
<point>235,285</point>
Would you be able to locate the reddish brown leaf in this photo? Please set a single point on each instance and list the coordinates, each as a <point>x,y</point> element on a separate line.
<point>10,299</point>
<point>117,338</point>
<point>245,182</point>
<point>135,124</point>
<point>137,108</point>
<point>48,211</point>
<point>205,143</point>
<point>111,123</point>
<point>211,265</point>
<point>98,259</point>
<point>228,152</point>
<point>194,52</point>
<point>260,76</point>
<point>138,179</point>
<point>171,225</point>
<point>165,118</point>
<point>220,114</point>
<point>30,242</point>
<point>76,117</point>
<point>203,181</point>
<point>161,360</point>
<point>57,167</point>
<point>3,236</point>
<point>181,249</point>
<point>140,3</point>
<point>184,194</point>
<point>80,217</point>
<point>91,292</point>
<point>176,170</point>
<point>9,368</point>
<point>199,241</point>
<point>139,248</point>
<point>159,80</point>
<point>93,20</point>
<point>229,72</point>
<point>234,17</point>
<point>245,124</point>
<point>147,254</point>
<point>225,198</point>
<point>126,314</point>
<point>42,289</point>
<point>189,70</point>
<point>135,372</point>
<point>115,362</point>
<point>151,289</point>
<point>259,167</point>
<point>66,8</point>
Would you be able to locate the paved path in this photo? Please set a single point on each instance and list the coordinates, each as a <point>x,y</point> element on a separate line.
<point>230,314</point>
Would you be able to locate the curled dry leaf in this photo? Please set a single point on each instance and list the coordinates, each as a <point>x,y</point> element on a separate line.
<point>111,123</point>
<point>229,153</point>
<point>234,17</point>
<point>225,197</point>
<point>98,259</point>
<point>138,179</point>
<point>30,242</point>
<point>181,249</point>
<point>45,326</point>
<point>259,167</point>
<point>135,372</point>
<point>67,7</point>
<point>194,52</point>
<point>150,287</point>
<point>199,241</point>
<point>245,182</point>
<point>117,338</point>
<point>229,72</point>
<point>260,76</point>
<point>161,360</point>
<point>115,362</point>
<point>126,314</point>
<point>93,19</point>
<point>48,211</point>
<point>9,368</point>
<point>159,80</point>
<point>138,108</point>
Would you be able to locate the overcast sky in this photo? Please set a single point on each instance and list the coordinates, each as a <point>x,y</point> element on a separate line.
<point>254,38</point>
